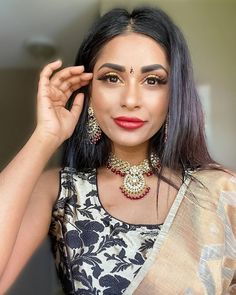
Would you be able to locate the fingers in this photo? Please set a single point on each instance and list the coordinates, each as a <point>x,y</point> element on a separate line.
<point>77,106</point>
<point>48,71</point>
<point>65,78</point>
<point>61,85</point>
<point>75,81</point>
<point>66,73</point>
<point>72,84</point>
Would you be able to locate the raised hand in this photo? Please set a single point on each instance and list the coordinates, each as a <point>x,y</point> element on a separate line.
<point>53,119</point>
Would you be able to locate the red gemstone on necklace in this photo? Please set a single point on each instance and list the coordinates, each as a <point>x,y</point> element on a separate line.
<point>149,173</point>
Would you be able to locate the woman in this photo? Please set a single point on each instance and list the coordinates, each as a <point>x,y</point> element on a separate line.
<point>139,206</point>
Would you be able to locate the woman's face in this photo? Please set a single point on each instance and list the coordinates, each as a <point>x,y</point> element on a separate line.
<point>130,89</point>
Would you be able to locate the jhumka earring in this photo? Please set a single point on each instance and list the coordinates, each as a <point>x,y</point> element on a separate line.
<point>94,131</point>
<point>166,129</point>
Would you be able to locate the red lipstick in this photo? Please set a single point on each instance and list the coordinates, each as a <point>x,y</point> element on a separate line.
<point>129,122</point>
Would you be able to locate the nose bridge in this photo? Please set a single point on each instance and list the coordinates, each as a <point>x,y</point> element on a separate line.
<point>131,97</point>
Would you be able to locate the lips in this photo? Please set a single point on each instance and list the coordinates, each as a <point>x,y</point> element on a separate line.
<point>129,122</point>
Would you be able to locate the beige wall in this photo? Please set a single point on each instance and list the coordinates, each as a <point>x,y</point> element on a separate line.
<point>17,111</point>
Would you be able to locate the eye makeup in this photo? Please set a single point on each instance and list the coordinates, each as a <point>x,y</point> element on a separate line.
<point>110,77</point>
<point>155,80</point>
<point>152,80</point>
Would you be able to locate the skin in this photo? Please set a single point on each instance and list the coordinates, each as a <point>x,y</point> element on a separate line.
<point>31,192</point>
<point>134,94</point>
<point>142,92</point>
<point>27,193</point>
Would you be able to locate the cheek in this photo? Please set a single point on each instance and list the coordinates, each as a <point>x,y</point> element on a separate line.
<point>105,98</point>
<point>158,104</point>
<point>101,101</point>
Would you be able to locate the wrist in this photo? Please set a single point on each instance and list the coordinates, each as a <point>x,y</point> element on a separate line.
<point>46,139</point>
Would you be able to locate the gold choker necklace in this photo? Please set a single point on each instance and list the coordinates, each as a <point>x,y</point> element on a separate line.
<point>134,186</point>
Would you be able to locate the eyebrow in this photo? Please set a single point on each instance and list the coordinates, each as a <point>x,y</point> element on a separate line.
<point>153,67</point>
<point>113,66</point>
<point>144,69</point>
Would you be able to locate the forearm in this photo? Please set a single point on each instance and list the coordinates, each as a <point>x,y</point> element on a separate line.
<point>17,182</point>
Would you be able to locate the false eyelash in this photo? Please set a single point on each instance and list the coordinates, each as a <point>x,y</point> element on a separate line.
<point>106,76</point>
<point>159,80</point>
<point>110,75</point>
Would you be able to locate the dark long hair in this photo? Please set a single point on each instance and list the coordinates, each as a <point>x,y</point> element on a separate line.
<point>185,147</point>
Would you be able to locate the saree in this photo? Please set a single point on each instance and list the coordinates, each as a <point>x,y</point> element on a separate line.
<point>195,251</point>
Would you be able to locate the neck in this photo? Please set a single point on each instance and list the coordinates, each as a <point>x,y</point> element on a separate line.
<point>133,155</point>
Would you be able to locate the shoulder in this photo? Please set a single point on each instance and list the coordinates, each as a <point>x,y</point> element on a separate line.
<point>220,178</point>
<point>215,185</point>
<point>74,175</point>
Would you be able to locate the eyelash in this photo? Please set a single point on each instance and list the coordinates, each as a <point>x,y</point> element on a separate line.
<point>157,79</point>
<point>108,76</point>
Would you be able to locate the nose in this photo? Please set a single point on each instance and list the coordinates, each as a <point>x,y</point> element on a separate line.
<point>131,96</point>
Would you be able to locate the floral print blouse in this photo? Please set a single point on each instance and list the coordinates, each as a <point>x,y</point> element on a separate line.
<point>94,252</point>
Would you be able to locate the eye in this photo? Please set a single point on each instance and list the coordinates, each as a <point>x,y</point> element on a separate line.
<point>154,80</point>
<point>112,78</point>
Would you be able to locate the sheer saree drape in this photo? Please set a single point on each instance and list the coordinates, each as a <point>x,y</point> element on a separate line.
<point>195,252</point>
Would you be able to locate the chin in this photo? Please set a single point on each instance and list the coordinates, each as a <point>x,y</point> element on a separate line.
<point>129,142</point>
<point>130,139</point>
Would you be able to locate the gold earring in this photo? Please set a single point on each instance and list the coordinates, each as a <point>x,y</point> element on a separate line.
<point>93,129</point>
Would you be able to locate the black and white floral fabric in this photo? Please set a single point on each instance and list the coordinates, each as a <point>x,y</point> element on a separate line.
<point>95,253</point>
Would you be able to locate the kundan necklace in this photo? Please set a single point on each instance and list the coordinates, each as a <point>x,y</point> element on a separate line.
<point>134,186</point>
